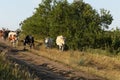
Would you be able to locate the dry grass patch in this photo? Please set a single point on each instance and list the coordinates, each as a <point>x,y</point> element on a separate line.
<point>100,65</point>
<point>10,70</point>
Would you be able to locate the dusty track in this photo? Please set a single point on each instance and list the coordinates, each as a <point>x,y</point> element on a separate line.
<point>44,68</point>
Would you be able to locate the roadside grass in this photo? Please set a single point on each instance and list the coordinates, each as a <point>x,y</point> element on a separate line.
<point>94,62</point>
<point>12,71</point>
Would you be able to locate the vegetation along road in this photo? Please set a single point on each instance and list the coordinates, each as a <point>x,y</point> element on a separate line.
<point>44,68</point>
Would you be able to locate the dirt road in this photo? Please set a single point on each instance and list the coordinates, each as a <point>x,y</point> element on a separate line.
<point>45,68</point>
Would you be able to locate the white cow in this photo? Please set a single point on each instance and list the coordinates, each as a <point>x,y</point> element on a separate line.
<point>48,42</point>
<point>60,41</point>
<point>13,39</point>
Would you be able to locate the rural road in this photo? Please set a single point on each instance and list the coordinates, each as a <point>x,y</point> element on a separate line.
<point>44,68</point>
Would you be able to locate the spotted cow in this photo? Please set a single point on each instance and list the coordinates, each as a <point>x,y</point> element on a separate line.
<point>28,40</point>
<point>13,38</point>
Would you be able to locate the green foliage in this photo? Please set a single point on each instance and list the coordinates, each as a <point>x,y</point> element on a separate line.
<point>106,18</point>
<point>82,25</point>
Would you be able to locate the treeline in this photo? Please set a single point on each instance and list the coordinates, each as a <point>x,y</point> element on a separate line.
<point>83,26</point>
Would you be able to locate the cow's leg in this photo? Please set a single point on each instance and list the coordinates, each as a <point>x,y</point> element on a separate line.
<point>46,45</point>
<point>13,44</point>
<point>62,47</point>
<point>16,42</point>
<point>24,46</point>
<point>50,45</point>
<point>31,45</point>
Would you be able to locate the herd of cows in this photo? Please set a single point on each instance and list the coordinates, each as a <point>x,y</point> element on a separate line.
<point>13,38</point>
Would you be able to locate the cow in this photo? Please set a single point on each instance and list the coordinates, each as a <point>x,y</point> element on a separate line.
<point>48,42</point>
<point>28,40</point>
<point>1,34</point>
<point>13,38</point>
<point>60,41</point>
<point>4,34</point>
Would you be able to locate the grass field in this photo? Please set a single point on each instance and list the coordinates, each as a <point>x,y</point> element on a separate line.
<point>13,71</point>
<point>93,61</point>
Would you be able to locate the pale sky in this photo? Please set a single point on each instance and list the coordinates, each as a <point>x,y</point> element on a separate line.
<point>12,12</point>
<point>112,6</point>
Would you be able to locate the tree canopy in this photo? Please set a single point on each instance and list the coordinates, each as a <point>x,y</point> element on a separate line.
<point>82,25</point>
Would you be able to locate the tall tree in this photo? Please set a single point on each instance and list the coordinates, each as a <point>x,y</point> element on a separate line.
<point>78,21</point>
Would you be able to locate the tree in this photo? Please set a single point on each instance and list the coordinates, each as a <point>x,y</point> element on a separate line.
<point>78,21</point>
<point>106,18</point>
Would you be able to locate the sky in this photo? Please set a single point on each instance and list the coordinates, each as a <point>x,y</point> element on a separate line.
<point>12,12</point>
<point>110,5</point>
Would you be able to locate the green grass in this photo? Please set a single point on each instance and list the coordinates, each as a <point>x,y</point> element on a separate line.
<point>13,71</point>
